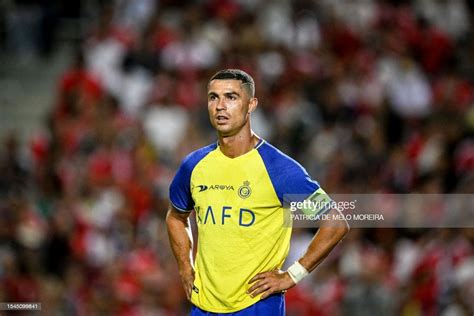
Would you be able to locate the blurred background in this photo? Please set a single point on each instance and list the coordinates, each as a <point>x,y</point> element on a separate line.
<point>100,101</point>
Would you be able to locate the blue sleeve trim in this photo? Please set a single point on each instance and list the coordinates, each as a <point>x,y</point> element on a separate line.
<point>290,180</point>
<point>180,188</point>
<point>320,199</point>
<point>181,210</point>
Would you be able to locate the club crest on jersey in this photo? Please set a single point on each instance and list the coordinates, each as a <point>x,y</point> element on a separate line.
<point>244,190</point>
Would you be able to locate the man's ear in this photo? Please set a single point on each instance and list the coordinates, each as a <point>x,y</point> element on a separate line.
<point>253,104</point>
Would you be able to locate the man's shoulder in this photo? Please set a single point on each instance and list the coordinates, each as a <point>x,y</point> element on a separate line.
<point>288,177</point>
<point>192,159</point>
<point>273,155</point>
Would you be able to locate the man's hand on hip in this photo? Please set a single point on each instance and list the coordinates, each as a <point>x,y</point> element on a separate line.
<point>187,277</point>
<point>270,282</point>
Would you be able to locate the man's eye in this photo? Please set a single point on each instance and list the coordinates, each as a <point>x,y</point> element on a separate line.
<point>232,97</point>
<point>212,98</point>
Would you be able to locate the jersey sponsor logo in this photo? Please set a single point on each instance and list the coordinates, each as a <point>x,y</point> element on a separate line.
<point>244,190</point>
<point>212,216</point>
<point>202,187</point>
<point>217,187</point>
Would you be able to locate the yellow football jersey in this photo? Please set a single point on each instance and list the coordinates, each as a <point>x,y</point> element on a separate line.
<point>240,218</point>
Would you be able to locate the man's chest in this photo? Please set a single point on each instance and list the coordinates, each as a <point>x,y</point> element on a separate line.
<point>232,193</point>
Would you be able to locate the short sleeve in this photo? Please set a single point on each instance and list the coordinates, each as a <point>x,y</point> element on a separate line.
<point>180,193</point>
<point>180,188</point>
<point>289,178</point>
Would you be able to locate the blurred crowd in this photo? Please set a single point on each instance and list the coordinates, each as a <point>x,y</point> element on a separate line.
<point>370,96</point>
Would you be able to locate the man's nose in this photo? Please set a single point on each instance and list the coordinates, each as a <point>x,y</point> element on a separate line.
<point>221,105</point>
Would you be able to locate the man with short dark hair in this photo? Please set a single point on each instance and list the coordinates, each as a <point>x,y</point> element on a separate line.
<point>238,188</point>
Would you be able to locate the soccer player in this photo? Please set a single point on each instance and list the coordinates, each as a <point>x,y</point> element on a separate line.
<point>238,188</point>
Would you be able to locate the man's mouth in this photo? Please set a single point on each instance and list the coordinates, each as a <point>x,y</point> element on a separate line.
<point>221,119</point>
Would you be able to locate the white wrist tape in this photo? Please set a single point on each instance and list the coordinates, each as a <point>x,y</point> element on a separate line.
<point>297,272</point>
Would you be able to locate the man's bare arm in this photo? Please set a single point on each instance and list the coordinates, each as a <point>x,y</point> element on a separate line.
<point>329,234</point>
<point>181,240</point>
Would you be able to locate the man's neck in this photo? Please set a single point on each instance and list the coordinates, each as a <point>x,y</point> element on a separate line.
<point>238,145</point>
